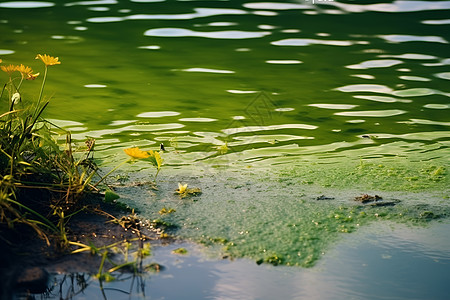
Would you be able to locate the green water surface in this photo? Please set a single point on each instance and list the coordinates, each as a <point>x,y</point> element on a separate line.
<point>265,106</point>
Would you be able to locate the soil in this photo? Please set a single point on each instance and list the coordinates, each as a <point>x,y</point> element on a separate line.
<point>26,260</point>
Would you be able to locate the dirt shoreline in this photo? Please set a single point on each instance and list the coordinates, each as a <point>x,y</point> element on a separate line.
<point>26,261</point>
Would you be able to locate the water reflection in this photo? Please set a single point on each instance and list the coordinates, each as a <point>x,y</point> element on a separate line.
<point>398,6</point>
<point>379,63</point>
<point>399,38</point>
<point>228,34</point>
<point>380,260</point>
<point>414,78</point>
<point>199,13</point>
<point>308,42</point>
<point>26,4</point>
<point>158,114</point>
<point>374,113</point>
<point>206,70</point>
<point>377,88</point>
<point>94,2</point>
<point>384,99</point>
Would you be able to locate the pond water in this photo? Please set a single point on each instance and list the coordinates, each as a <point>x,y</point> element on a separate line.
<point>265,106</point>
<point>379,262</point>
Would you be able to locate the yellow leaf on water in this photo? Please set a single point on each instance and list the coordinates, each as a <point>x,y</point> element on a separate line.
<point>136,153</point>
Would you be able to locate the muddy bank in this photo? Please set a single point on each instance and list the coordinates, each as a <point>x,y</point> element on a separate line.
<point>26,260</point>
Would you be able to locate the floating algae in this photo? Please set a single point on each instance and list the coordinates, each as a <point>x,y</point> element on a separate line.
<point>278,219</point>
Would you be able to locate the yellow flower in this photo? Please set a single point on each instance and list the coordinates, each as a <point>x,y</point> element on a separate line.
<point>181,188</point>
<point>26,72</point>
<point>222,149</point>
<point>9,69</point>
<point>136,153</point>
<point>48,60</point>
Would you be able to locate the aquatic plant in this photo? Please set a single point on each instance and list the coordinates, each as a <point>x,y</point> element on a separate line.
<point>181,188</point>
<point>184,191</point>
<point>125,248</point>
<point>134,154</point>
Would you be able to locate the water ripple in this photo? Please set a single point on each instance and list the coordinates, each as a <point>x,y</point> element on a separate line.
<point>427,136</point>
<point>231,131</point>
<point>410,56</point>
<point>383,99</point>
<point>227,34</point>
<point>6,52</point>
<point>26,4</point>
<point>199,13</point>
<point>426,122</point>
<point>158,114</point>
<point>206,70</point>
<point>308,42</point>
<point>378,63</point>
<point>197,120</point>
<point>416,92</point>
<point>395,7</point>
<point>276,6</point>
<point>372,113</point>
<point>414,78</point>
<point>284,61</point>
<point>98,2</point>
<point>436,22</point>
<point>443,75</point>
<point>401,38</point>
<point>333,106</point>
<point>377,88</point>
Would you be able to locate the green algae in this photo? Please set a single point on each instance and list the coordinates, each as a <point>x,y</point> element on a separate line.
<point>397,174</point>
<point>280,221</point>
<point>292,214</point>
<point>302,237</point>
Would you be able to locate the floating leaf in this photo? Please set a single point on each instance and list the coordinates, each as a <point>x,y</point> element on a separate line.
<point>181,251</point>
<point>110,196</point>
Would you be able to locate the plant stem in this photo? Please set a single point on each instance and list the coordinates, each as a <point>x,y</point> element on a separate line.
<point>44,219</point>
<point>109,173</point>
<point>42,90</point>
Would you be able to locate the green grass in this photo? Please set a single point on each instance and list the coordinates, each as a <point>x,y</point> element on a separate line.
<point>41,180</point>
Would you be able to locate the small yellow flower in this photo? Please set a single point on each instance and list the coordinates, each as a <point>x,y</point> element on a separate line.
<point>9,69</point>
<point>181,188</point>
<point>48,60</point>
<point>26,72</point>
<point>222,149</point>
<point>136,153</point>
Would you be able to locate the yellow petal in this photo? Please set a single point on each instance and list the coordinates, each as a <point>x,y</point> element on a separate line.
<point>181,188</point>
<point>32,76</point>
<point>48,60</point>
<point>9,69</point>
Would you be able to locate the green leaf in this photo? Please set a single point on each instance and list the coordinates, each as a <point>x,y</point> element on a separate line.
<point>110,196</point>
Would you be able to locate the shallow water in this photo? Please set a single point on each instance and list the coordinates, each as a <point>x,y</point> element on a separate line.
<point>265,106</point>
<point>386,261</point>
